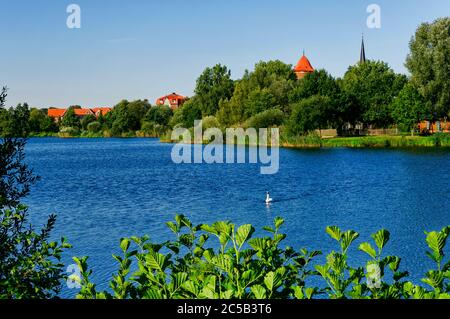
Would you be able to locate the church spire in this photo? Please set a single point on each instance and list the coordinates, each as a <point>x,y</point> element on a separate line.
<point>362,57</point>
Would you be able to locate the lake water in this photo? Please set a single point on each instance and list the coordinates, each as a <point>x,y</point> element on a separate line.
<point>105,189</point>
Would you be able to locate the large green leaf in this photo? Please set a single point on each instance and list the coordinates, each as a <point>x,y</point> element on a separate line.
<point>436,241</point>
<point>278,222</point>
<point>347,238</point>
<point>368,249</point>
<point>174,228</point>
<point>259,292</point>
<point>381,238</point>
<point>243,234</point>
<point>156,261</point>
<point>273,279</point>
<point>153,293</point>
<point>124,244</point>
<point>258,243</point>
<point>334,232</point>
<point>178,280</point>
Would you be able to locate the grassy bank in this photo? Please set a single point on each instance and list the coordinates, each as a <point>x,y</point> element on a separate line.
<point>438,140</point>
<point>384,141</point>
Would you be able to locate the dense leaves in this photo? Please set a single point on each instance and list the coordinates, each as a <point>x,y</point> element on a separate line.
<point>429,62</point>
<point>29,263</point>
<point>224,261</point>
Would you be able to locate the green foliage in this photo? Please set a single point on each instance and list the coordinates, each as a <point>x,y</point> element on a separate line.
<point>242,267</point>
<point>94,127</point>
<point>268,118</point>
<point>30,265</point>
<point>127,116</point>
<point>160,114</point>
<point>375,85</point>
<point>428,63</point>
<point>70,119</point>
<point>213,85</point>
<point>409,108</point>
<point>310,114</point>
<point>187,114</point>
<point>86,120</point>
<point>239,265</point>
<point>320,82</point>
<point>39,122</point>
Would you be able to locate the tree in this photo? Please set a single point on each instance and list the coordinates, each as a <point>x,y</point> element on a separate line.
<point>39,121</point>
<point>375,85</point>
<point>160,114</point>
<point>320,82</point>
<point>267,87</point>
<point>70,119</point>
<point>189,112</point>
<point>85,121</point>
<point>128,116</point>
<point>309,115</point>
<point>266,119</point>
<point>429,64</point>
<point>18,121</point>
<point>213,85</point>
<point>409,108</point>
<point>30,265</point>
<point>347,110</point>
<point>259,101</point>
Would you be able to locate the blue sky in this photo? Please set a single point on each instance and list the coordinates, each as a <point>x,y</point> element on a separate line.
<point>140,49</point>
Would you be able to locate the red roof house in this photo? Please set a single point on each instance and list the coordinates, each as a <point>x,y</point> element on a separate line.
<point>58,114</point>
<point>174,100</point>
<point>303,67</point>
<point>101,111</point>
<point>83,112</point>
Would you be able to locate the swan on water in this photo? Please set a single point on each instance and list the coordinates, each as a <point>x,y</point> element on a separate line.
<point>268,199</point>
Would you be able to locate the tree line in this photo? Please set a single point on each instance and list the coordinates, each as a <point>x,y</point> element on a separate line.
<point>369,94</point>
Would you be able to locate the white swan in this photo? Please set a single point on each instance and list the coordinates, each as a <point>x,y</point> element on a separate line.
<point>268,199</point>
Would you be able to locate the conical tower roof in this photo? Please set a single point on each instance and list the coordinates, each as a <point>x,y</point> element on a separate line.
<point>362,57</point>
<point>304,65</point>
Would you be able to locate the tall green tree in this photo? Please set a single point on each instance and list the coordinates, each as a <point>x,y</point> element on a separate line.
<point>375,85</point>
<point>160,114</point>
<point>187,114</point>
<point>30,266</point>
<point>429,64</point>
<point>213,85</point>
<point>320,82</point>
<point>40,122</point>
<point>409,108</point>
<point>309,115</point>
<point>70,119</point>
<point>128,116</point>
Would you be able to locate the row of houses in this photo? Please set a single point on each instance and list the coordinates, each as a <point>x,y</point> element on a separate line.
<point>173,100</point>
<point>58,114</point>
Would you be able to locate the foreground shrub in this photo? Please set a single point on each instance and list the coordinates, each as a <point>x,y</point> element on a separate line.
<point>30,264</point>
<point>239,266</point>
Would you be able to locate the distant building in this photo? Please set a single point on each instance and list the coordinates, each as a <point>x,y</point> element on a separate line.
<point>101,111</point>
<point>303,67</point>
<point>58,114</point>
<point>82,112</point>
<point>174,100</point>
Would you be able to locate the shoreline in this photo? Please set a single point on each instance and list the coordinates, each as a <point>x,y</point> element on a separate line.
<point>376,142</point>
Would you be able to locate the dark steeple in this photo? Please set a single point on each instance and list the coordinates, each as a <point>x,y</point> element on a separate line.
<point>362,58</point>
